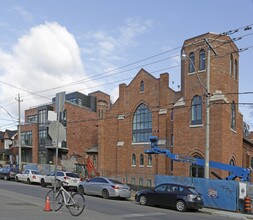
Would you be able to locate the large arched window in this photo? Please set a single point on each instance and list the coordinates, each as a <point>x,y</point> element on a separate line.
<point>196,110</point>
<point>233,116</point>
<point>192,63</point>
<point>202,60</point>
<point>142,124</point>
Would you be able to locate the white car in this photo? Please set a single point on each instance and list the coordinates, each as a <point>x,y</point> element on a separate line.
<point>68,179</point>
<point>29,176</point>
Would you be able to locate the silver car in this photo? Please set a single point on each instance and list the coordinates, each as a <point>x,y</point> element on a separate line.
<point>105,187</point>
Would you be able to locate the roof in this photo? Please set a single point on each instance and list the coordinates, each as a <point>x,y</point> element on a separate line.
<point>10,133</point>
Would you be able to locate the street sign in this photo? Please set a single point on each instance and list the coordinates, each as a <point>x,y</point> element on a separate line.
<point>59,102</point>
<point>52,130</point>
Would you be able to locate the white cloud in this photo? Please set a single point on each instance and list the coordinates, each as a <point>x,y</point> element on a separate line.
<point>46,57</point>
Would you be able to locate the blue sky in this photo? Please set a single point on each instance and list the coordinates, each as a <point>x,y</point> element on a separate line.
<point>51,46</point>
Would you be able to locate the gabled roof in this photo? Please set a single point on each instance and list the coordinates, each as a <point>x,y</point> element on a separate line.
<point>140,72</point>
<point>9,133</point>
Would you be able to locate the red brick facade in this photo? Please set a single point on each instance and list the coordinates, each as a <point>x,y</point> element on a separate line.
<point>110,128</point>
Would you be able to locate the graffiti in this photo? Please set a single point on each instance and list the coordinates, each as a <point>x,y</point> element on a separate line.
<point>227,189</point>
<point>212,193</point>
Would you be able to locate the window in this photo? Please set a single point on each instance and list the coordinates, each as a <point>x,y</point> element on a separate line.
<point>231,65</point>
<point>133,181</point>
<point>235,70</point>
<point>150,160</point>
<point>142,124</point>
<point>26,138</point>
<point>141,181</point>
<point>197,170</point>
<point>202,60</point>
<point>192,63</point>
<point>42,117</point>
<point>42,137</point>
<point>196,110</point>
<point>149,183</point>
<point>142,86</point>
<point>133,160</point>
<point>233,116</point>
<point>141,160</point>
<point>251,162</point>
<point>232,163</point>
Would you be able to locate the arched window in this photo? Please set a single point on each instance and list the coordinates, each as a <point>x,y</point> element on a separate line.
<point>196,110</point>
<point>192,63</point>
<point>197,170</point>
<point>231,162</point>
<point>231,65</point>
<point>233,116</point>
<point>142,124</point>
<point>141,160</point>
<point>142,86</point>
<point>133,160</point>
<point>150,160</point>
<point>202,59</point>
<point>235,70</point>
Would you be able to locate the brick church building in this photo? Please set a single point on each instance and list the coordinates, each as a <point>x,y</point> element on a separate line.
<point>115,136</point>
<point>147,106</point>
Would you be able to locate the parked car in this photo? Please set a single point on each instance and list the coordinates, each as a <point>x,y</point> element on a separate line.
<point>105,187</point>
<point>68,179</point>
<point>9,172</point>
<point>172,195</point>
<point>29,176</point>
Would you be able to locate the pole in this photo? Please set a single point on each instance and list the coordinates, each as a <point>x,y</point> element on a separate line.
<point>19,135</point>
<point>207,134</point>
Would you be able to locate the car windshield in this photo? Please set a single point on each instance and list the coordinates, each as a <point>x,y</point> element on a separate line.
<point>115,181</point>
<point>73,175</point>
<point>36,172</point>
<point>193,190</point>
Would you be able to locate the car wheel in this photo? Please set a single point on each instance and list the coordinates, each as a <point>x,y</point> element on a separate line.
<point>105,194</point>
<point>181,206</point>
<point>42,183</point>
<point>81,190</point>
<point>143,200</point>
<point>16,178</point>
<point>28,181</point>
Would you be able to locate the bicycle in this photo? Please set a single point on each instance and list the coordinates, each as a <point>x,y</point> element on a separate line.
<point>75,203</point>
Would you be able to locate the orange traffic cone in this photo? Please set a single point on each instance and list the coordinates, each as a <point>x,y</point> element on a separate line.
<point>47,205</point>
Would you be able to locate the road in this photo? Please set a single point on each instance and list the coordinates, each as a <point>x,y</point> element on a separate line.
<point>22,201</point>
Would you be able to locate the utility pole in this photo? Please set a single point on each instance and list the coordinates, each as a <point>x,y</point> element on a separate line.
<point>19,134</point>
<point>207,134</point>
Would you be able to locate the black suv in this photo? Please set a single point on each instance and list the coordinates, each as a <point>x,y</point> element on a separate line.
<point>9,172</point>
<point>172,195</point>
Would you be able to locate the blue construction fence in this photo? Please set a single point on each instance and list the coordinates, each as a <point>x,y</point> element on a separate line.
<point>217,194</point>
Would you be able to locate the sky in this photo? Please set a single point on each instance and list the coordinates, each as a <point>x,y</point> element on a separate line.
<point>51,46</point>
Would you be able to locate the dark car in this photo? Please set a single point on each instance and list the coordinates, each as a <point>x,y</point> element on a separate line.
<point>171,195</point>
<point>9,172</point>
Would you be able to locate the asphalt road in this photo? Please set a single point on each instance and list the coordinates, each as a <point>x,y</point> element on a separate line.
<point>22,201</point>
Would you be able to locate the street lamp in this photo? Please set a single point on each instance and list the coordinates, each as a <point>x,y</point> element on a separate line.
<point>207,94</point>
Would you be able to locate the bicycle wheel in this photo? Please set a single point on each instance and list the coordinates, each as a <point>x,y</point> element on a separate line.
<point>76,204</point>
<point>58,201</point>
